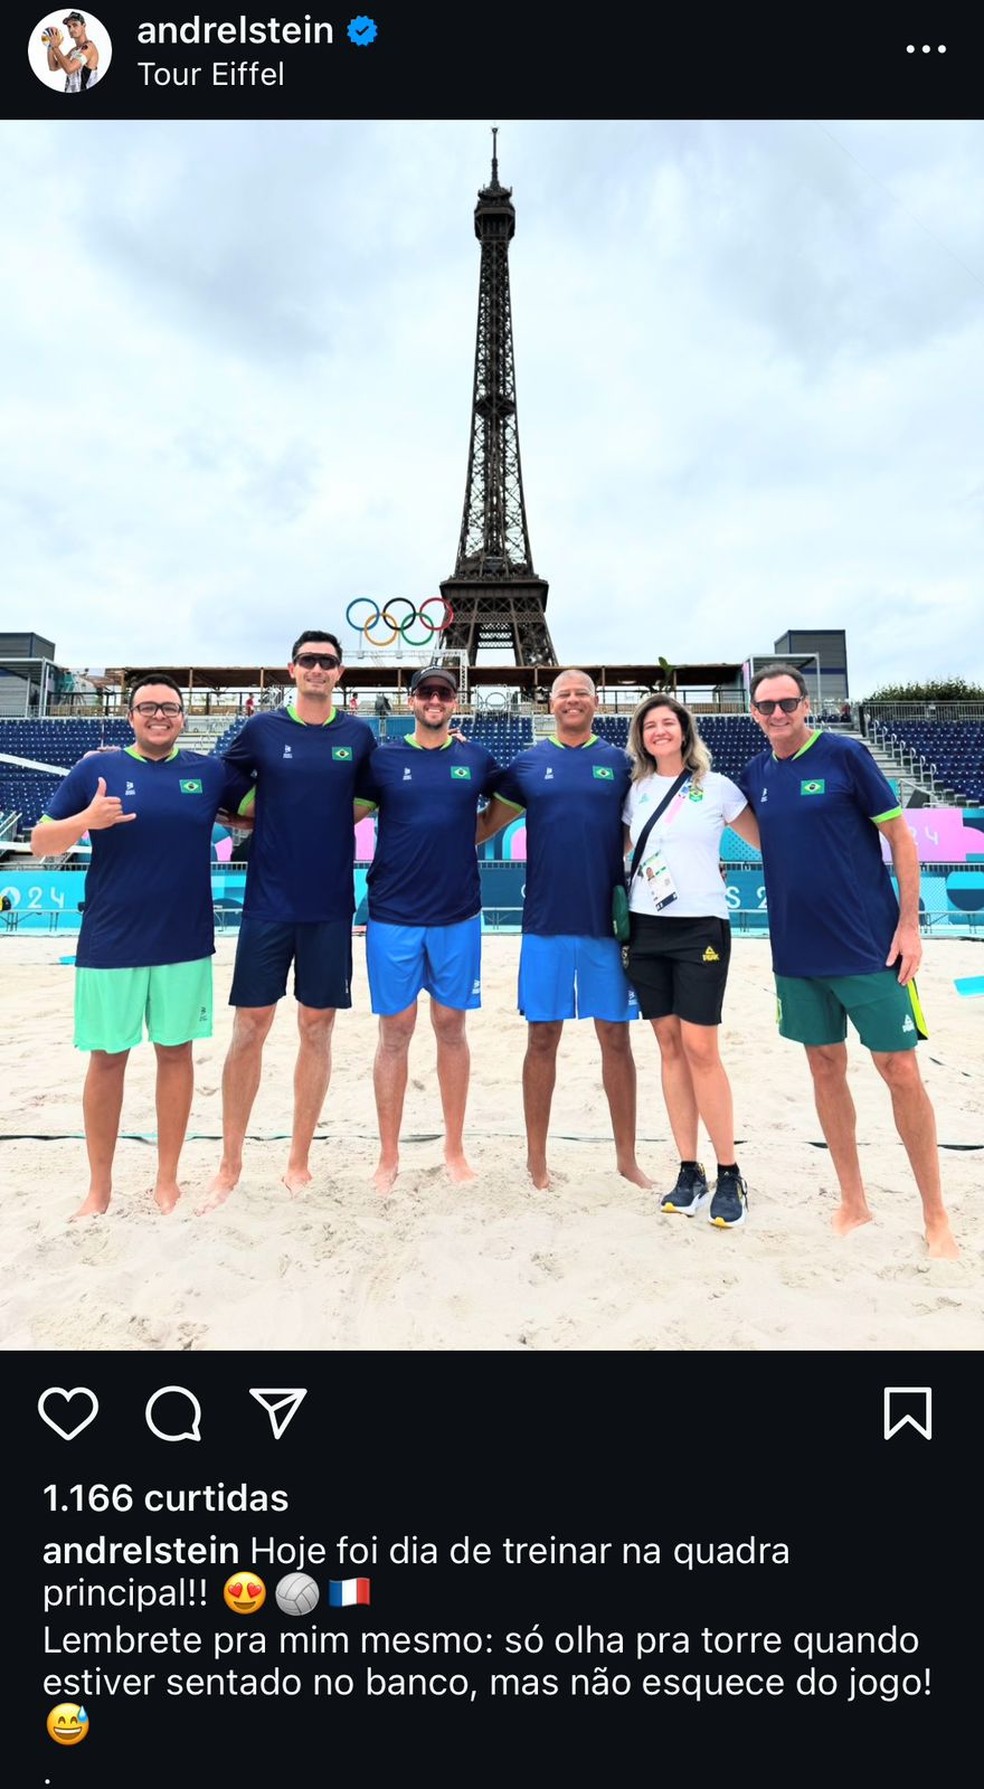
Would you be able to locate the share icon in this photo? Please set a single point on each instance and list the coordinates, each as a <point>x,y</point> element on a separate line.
<point>281,1404</point>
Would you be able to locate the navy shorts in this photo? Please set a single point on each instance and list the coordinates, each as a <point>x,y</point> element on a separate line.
<point>320,951</point>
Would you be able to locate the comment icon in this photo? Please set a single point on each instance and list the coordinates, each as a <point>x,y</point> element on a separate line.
<point>183,1426</point>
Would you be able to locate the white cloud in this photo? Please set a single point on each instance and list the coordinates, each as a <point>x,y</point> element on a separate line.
<point>749,371</point>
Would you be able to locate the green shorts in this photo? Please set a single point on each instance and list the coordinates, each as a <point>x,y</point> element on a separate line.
<point>885,1015</point>
<point>173,1000</point>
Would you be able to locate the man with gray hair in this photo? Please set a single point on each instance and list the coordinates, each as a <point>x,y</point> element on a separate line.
<point>572,788</point>
<point>844,946</point>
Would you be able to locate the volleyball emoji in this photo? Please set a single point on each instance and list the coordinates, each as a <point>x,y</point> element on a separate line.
<point>297,1594</point>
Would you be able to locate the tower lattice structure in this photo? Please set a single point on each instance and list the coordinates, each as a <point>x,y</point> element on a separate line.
<point>497,598</point>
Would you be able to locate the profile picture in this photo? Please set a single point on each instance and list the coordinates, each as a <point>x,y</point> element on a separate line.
<point>70,51</point>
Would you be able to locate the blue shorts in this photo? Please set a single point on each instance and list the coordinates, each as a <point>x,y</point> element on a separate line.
<point>446,961</point>
<point>320,951</point>
<point>573,978</point>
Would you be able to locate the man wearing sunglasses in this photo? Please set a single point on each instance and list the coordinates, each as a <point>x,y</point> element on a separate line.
<point>843,946</point>
<point>144,957</point>
<point>308,763</point>
<point>425,910</point>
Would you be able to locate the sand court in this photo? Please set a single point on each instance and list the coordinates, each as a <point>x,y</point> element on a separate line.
<point>589,1264</point>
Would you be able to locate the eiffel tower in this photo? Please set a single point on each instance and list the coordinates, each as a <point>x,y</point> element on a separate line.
<point>497,598</point>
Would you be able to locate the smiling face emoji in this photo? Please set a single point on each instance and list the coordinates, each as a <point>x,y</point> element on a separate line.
<point>244,1592</point>
<point>67,1724</point>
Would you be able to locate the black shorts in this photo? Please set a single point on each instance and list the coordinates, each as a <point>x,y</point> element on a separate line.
<point>321,952</point>
<point>679,967</point>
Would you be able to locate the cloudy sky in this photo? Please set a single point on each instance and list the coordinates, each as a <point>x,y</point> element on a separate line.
<point>750,377</point>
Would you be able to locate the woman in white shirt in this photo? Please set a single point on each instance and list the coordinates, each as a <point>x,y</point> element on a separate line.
<point>680,943</point>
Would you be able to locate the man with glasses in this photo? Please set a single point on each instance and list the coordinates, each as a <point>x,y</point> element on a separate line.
<point>308,761</point>
<point>145,947</point>
<point>425,910</point>
<point>843,946</point>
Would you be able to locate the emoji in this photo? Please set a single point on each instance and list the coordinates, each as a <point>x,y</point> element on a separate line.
<point>67,1723</point>
<point>297,1594</point>
<point>244,1592</point>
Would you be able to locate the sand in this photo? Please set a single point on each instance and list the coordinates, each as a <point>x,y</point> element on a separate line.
<point>588,1265</point>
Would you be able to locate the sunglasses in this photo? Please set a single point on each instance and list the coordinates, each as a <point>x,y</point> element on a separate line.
<point>308,660</point>
<point>429,692</point>
<point>148,709</point>
<point>788,704</point>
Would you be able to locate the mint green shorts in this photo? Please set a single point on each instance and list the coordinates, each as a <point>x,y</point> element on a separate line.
<point>885,1015</point>
<point>112,1006</point>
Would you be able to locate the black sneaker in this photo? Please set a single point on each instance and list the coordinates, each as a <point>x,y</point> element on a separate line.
<point>690,1194</point>
<point>729,1206</point>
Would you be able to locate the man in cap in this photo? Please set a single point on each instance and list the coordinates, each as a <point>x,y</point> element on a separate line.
<point>81,62</point>
<point>424,929</point>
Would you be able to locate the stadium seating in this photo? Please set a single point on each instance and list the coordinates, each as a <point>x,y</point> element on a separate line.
<point>58,743</point>
<point>954,748</point>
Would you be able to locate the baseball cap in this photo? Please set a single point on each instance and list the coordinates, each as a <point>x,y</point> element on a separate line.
<point>434,674</point>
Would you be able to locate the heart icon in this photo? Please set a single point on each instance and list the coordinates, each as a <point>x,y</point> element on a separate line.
<point>53,1393</point>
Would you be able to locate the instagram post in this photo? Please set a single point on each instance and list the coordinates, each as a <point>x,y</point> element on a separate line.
<point>210,1568</point>
<point>491,897</point>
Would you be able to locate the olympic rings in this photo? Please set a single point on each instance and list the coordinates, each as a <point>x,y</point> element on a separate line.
<point>397,627</point>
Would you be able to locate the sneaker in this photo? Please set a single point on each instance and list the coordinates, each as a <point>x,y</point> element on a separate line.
<point>690,1194</point>
<point>729,1206</point>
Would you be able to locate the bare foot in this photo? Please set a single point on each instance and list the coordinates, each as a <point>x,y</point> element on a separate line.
<point>632,1171</point>
<point>94,1205</point>
<point>384,1179</point>
<point>846,1219</point>
<point>224,1183</point>
<point>459,1169</point>
<point>296,1179</point>
<point>940,1240</point>
<point>167,1194</point>
<point>539,1176</point>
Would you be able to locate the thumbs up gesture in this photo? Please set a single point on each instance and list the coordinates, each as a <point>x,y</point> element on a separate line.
<point>104,810</point>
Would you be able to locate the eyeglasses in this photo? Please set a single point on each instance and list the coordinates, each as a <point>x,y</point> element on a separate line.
<point>787,703</point>
<point>431,692</point>
<point>149,709</point>
<point>308,660</point>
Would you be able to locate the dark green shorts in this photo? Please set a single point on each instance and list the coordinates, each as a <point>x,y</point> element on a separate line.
<point>815,1010</point>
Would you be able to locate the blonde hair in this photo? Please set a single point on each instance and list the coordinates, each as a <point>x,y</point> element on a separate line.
<point>696,757</point>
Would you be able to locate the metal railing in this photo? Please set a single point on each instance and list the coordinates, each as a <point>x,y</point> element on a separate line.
<point>888,712</point>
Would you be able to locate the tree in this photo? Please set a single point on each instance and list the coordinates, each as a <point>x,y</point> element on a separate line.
<point>938,689</point>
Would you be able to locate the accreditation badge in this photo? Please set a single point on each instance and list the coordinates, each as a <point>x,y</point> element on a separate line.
<point>655,878</point>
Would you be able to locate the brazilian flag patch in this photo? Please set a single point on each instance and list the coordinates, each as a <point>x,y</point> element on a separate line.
<point>603,771</point>
<point>814,788</point>
<point>191,786</point>
<point>342,752</point>
<point>463,771</point>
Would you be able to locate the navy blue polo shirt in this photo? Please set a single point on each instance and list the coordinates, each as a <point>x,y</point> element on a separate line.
<point>425,870</point>
<point>306,777</point>
<point>832,908</point>
<point>573,797</point>
<point>148,888</point>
